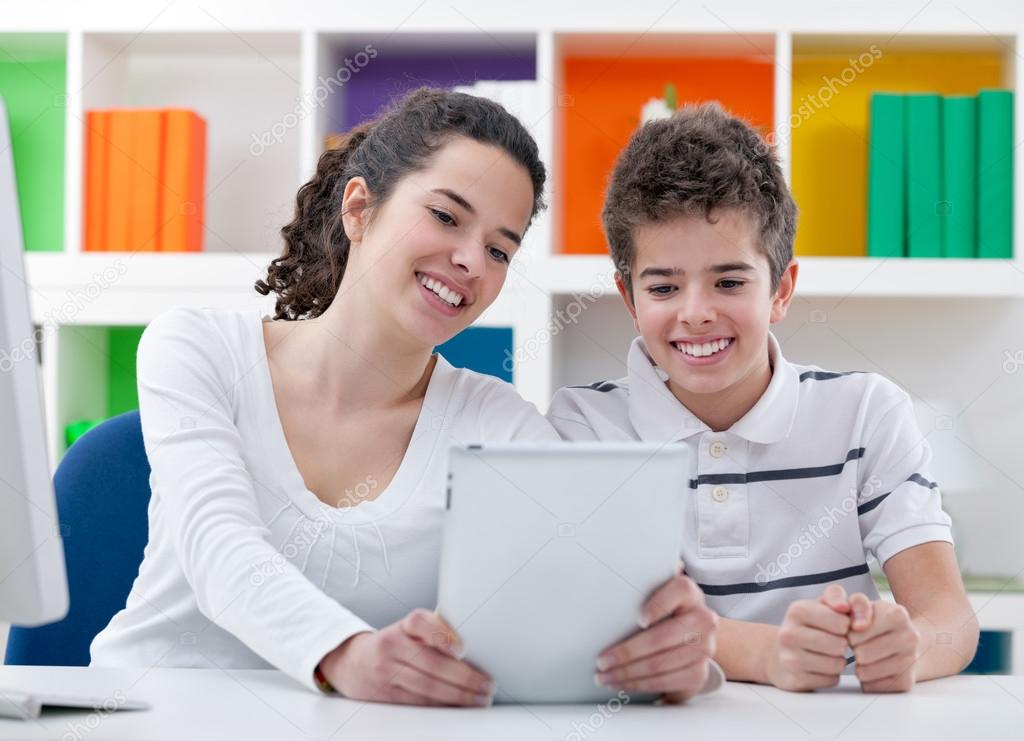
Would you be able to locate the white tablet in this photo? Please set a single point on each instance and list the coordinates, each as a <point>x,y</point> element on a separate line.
<point>550,551</point>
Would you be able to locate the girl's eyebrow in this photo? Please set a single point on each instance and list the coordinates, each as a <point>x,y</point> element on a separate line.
<point>452,195</point>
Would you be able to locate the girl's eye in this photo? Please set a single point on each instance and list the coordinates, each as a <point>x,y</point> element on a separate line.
<point>730,284</point>
<point>661,290</point>
<point>443,216</point>
<point>499,255</point>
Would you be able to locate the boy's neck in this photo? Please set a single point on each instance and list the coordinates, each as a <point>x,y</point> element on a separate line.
<point>722,409</point>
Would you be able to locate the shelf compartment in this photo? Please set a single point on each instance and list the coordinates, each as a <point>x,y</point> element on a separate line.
<point>833,79</point>
<point>247,88</point>
<point>366,72</point>
<point>602,82</point>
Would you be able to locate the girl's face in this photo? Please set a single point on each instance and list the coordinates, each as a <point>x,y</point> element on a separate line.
<point>435,254</point>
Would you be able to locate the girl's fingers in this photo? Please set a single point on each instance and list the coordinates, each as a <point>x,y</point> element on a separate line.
<point>665,662</point>
<point>436,690</point>
<point>692,628</point>
<point>687,681</point>
<point>678,594</point>
<point>452,671</point>
<point>431,629</point>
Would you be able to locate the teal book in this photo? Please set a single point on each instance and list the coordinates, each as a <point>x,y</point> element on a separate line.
<point>959,167</point>
<point>995,174</point>
<point>924,175</point>
<point>886,216</point>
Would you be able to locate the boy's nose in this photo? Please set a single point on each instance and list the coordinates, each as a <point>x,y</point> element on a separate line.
<point>695,310</point>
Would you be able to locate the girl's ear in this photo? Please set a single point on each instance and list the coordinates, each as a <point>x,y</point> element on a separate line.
<point>355,211</point>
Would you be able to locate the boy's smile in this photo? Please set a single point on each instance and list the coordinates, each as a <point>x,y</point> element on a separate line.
<point>702,300</point>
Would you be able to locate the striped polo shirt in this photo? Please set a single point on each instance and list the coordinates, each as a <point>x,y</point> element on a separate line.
<point>825,470</point>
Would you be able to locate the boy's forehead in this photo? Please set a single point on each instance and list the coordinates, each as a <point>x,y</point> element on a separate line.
<point>693,244</point>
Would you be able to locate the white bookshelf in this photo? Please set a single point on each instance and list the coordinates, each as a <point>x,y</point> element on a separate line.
<point>938,327</point>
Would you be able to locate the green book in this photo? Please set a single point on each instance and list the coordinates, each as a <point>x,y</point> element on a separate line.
<point>33,88</point>
<point>886,233</point>
<point>924,176</point>
<point>959,165</point>
<point>995,174</point>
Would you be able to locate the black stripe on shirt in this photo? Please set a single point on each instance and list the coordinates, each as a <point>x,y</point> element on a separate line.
<point>825,375</point>
<point>602,386</point>
<point>788,582</point>
<point>915,478</point>
<point>752,477</point>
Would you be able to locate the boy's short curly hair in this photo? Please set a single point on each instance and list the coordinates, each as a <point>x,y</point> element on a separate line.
<point>698,160</point>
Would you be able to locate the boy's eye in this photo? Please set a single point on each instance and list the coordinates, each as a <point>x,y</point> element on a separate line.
<point>497,254</point>
<point>661,290</point>
<point>728,283</point>
<point>443,216</point>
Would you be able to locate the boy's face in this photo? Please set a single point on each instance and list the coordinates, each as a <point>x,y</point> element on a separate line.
<point>702,301</point>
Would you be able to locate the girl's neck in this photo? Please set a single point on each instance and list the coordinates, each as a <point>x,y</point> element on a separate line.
<point>350,360</point>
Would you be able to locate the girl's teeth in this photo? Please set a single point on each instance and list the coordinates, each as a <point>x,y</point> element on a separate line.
<point>443,292</point>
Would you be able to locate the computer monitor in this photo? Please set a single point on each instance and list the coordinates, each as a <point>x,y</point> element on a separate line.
<point>33,581</point>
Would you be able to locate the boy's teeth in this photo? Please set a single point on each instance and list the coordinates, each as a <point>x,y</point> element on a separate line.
<point>443,292</point>
<point>704,349</point>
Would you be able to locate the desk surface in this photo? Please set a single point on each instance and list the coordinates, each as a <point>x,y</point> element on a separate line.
<point>213,704</point>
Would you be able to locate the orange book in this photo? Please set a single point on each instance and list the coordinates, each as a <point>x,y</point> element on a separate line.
<point>119,191</point>
<point>147,172</point>
<point>97,158</point>
<point>181,191</point>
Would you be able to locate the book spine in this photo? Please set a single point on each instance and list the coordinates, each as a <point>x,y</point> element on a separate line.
<point>886,214</point>
<point>995,174</point>
<point>924,176</point>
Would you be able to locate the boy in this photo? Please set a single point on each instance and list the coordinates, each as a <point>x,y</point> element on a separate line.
<point>798,474</point>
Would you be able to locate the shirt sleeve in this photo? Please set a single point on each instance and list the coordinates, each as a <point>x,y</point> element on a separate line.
<point>565,416</point>
<point>187,378</point>
<point>505,416</point>
<point>899,504</point>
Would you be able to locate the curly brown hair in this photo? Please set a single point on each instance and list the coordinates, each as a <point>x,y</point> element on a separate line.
<point>308,273</point>
<point>698,160</point>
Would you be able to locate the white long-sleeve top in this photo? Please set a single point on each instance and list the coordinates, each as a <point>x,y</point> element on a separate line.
<point>247,568</point>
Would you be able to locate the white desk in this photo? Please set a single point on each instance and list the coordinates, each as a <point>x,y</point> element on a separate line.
<point>211,704</point>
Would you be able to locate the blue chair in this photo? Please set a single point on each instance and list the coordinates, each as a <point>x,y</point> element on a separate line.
<point>102,487</point>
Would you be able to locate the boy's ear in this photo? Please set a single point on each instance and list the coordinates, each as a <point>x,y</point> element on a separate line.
<point>355,211</point>
<point>784,294</point>
<point>627,299</point>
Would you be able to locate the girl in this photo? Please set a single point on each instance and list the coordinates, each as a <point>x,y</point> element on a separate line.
<point>298,466</point>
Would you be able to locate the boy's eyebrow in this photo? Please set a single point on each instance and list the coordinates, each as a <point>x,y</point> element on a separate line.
<point>727,267</point>
<point>451,194</point>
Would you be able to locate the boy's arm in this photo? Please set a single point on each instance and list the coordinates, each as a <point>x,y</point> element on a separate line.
<point>926,580</point>
<point>744,649</point>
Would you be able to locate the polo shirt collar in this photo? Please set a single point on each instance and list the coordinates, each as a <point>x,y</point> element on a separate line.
<point>658,416</point>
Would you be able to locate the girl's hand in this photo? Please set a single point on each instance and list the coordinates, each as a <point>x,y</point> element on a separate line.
<point>671,656</point>
<point>414,661</point>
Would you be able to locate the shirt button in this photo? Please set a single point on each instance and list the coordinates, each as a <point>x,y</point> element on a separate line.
<point>719,493</point>
<point>717,449</point>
